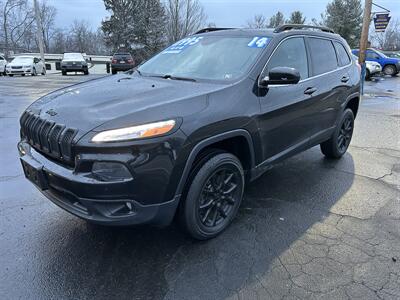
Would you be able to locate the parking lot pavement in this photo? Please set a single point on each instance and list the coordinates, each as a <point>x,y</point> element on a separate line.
<point>309,228</point>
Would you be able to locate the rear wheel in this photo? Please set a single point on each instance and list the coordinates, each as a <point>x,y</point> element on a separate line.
<point>44,71</point>
<point>337,145</point>
<point>34,72</point>
<point>63,73</point>
<point>390,70</point>
<point>11,75</point>
<point>213,197</point>
<point>86,72</point>
<point>113,72</point>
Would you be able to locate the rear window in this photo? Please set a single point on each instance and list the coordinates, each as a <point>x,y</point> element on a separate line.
<point>343,56</point>
<point>122,56</point>
<point>323,56</point>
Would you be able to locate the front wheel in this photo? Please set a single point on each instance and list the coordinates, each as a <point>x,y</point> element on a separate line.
<point>337,145</point>
<point>213,197</point>
<point>34,72</point>
<point>389,70</point>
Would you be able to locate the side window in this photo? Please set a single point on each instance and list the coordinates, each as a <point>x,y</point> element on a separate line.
<point>372,55</point>
<point>343,56</point>
<point>2,58</point>
<point>323,56</point>
<point>291,53</point>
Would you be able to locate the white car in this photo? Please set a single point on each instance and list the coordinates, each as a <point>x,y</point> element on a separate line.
<point>372,68</point>
<point>22,65</point>
<point>3,63</point>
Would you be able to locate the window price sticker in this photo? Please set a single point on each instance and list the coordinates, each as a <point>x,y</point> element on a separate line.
<point>183,44</point>
<point>258,42</point>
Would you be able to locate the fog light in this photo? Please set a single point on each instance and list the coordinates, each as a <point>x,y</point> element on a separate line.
<point>110,171</point>
<point>23,148</point>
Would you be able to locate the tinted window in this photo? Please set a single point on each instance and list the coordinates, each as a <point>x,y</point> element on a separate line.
<point>291,53</point>
<point>323,56</point>
<point>343,56</point>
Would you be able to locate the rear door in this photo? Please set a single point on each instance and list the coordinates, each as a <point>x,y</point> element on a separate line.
<point>330,82</point>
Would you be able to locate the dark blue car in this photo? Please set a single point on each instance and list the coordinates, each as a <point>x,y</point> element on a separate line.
<point>390,66</point>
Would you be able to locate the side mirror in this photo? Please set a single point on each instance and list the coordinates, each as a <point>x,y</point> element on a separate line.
<point>281,75</point>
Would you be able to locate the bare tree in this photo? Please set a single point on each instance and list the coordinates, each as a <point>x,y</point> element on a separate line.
<point>184,18</point>
<point>390,39</point>
<point>16,18</point>
<point>47,17</point>
<point>259,21</point>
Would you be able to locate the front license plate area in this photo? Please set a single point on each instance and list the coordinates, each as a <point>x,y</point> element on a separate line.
<point>34,172</point>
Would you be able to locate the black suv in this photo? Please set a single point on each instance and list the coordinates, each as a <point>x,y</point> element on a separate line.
<point>122,62</point>
<point>182,134</point>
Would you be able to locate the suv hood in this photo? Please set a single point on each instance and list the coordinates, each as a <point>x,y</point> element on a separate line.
<point>123,100</point>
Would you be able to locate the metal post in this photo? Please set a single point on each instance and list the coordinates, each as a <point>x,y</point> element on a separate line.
<point>364,40</point>
<point>39,29</point>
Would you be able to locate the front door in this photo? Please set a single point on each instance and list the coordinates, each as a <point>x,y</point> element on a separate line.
<point>285,122</point>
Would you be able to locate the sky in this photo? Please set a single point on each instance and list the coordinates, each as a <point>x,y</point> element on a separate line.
<point>224,13</point>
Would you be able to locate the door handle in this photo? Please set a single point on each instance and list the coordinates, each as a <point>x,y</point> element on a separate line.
<point>345,78</point>
<point>310,90</point>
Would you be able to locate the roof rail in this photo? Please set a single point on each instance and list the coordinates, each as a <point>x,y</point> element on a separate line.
<point>210,29</point>
<point>301,26</point>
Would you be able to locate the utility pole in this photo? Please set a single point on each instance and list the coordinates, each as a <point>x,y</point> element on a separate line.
<point>39,29</point>
<point>364,40</point>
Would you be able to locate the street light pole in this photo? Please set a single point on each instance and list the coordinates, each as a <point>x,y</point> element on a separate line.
<point>364,40</point>
<point>39,29</point>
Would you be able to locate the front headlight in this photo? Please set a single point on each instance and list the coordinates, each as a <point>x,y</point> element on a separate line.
<point>27,66</point>
<point>134,132</point>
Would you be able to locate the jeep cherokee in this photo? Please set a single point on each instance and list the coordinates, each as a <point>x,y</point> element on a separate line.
<point>182,134</point>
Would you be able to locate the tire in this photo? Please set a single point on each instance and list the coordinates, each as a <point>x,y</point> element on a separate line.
<point>34,72</point>
<point>86,72</point>
<point>390,70</point>
<point>44,71</point>
<point>63,73</point>
<point>22,74</point>
<point>337,145</point>
<point>367,75</point>
<point>11,75</point>
<point>218,186</point>
<point>113,72</point>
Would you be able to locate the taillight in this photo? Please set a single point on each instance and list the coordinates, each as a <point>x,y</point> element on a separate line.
<point>130,61</point>
<point>114,61</point>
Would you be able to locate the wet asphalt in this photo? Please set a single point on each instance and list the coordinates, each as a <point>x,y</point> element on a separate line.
<point>309,228</point>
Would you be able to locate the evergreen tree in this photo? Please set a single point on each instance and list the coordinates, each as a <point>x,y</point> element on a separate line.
<point>296,17</point>
<point>276,20</point>
<point>345,18</point>
<point>135,25</point>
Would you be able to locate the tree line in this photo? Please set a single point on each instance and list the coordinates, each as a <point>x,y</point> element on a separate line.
<point>144,27</point>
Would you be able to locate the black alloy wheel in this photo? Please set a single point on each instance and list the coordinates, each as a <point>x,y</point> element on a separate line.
<point>345,134</point>
<point>337,145</point>
<point>218,196</point>
<point>214,195</point>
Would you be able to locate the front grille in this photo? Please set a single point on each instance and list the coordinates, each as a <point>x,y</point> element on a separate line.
<point>49,138</point>
<point>16,67</point>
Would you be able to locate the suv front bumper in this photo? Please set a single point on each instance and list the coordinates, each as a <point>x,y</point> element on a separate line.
<point>96,201</point>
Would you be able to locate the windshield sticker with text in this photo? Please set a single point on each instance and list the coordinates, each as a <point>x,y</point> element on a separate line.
<point>258,42</point>
<point>183,44</point>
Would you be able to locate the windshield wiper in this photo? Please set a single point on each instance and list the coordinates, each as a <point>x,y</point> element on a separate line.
<point>169,76</point>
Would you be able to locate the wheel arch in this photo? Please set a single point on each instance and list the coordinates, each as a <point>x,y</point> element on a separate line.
<point>353,102</point>
<point>224,141</point>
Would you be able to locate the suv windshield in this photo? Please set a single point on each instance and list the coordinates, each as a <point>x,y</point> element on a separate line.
<point>206,57</point>
<point>73,56</point>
